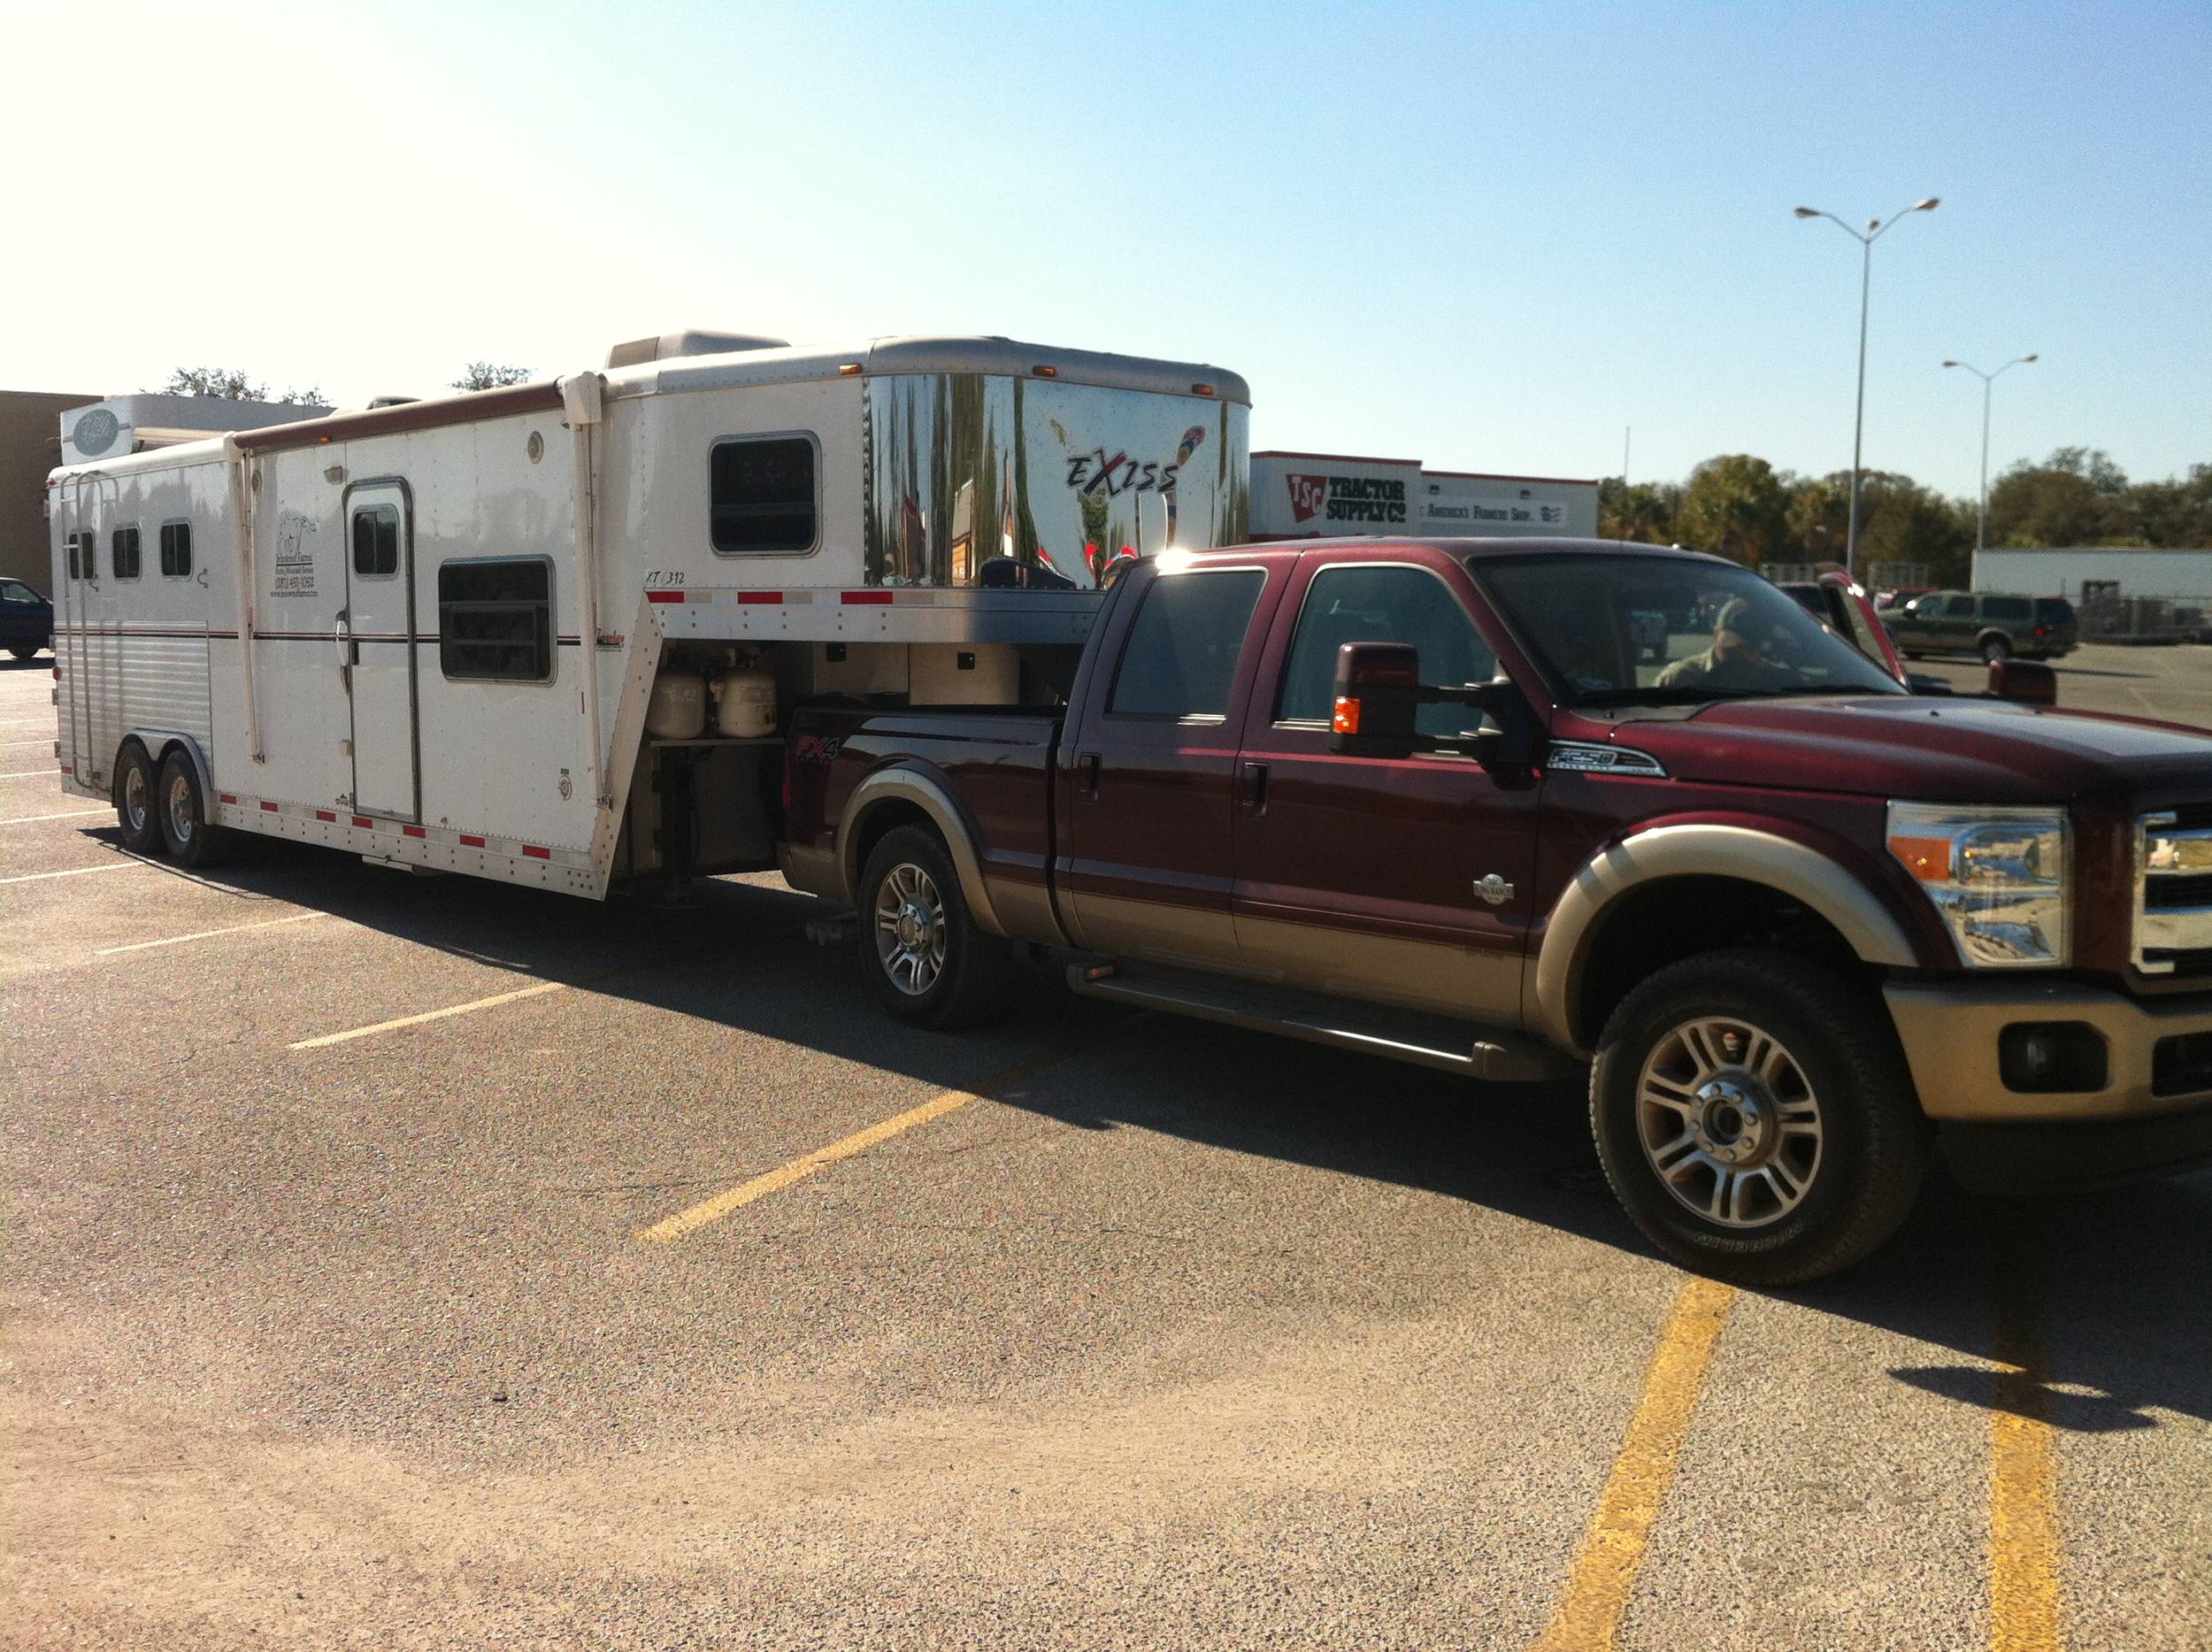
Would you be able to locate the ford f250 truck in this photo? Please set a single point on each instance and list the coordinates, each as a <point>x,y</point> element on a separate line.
<point>1806,928</point>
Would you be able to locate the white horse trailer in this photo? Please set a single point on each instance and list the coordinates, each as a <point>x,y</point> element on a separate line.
<point>542,634</point>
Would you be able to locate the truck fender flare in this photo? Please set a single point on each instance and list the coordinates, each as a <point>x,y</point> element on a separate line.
<point>157,742</point>
<point>1695,850</point>
<point>930,794</point>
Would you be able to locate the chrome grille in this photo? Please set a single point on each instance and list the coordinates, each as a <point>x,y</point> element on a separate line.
<point>2173,892</point>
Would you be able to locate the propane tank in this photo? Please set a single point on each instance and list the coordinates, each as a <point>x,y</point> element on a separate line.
<point>745,703</point>
<point>678,708</point>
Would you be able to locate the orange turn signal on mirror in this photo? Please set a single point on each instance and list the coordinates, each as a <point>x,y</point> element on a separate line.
<point>1927,858</point>
<point>1345,719</point>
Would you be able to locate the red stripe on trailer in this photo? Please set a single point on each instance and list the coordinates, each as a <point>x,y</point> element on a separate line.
<point>363,820</point>
<point>325,814</point>
<point>269,808</point>
<point>535,853</point>
<point>414,831</point>
<point>864,599</point>
<point>228,797</point>
<point>467,842</point>
<point>759,597</point>
<point>664,596</point>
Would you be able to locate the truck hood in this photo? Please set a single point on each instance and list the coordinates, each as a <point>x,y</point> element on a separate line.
<point>1928,747</point>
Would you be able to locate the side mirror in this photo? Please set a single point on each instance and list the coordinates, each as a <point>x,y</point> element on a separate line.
<point>1378,690</point>
<point>2029,682</point>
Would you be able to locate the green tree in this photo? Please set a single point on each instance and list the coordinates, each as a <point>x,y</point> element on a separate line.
<point>490,375</point>
<point>2072,498</point>
<point>1736,507</point>
<point>1645,511</point>
<point>1899,521</point>
<point>230,384</point>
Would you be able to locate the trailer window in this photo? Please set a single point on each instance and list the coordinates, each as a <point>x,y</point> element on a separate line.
<point>123,553</point>
<point>496,619</point>
<point>376,541</point>
<point>1182,650</point>
<point>176,550</point>
<point>761,495</point>
<point>83,556</point>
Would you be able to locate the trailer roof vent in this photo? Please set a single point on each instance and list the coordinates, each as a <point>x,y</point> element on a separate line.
<point>692,341</point>
<point>376,401</point>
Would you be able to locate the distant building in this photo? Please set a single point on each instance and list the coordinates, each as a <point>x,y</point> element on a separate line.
<point>2126,574</point>
<point>1323,496</point>
<point>29,448</point>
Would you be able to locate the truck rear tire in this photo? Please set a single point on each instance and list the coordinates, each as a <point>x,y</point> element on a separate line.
<point>182,807</point>
<point>137,818</point>
<point>927,958</point>
<point>1755,1118</point>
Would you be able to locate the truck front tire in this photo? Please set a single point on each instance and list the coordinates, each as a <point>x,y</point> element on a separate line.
<point>927,958</point>
<point>1755,1118</point>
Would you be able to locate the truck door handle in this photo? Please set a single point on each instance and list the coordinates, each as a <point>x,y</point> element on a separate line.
<point>1255,789</point>
<point>1086,767</point>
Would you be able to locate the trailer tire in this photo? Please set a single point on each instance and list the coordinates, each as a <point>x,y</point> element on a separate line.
<point>137,786</point>
<point>1755,1116</point>
<point>927,958</point>
<point>182,807</point>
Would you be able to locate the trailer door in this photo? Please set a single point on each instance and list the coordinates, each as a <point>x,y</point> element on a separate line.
<point>380,617</point>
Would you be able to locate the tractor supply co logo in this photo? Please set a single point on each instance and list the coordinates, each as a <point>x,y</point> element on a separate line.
<point>1347,499</point>
<point>95,432</point>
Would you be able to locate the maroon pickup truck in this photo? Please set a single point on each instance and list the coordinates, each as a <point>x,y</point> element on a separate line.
<point>1438,802</point>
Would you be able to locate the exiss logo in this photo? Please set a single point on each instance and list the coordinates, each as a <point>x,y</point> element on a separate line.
<point>1347,499</point>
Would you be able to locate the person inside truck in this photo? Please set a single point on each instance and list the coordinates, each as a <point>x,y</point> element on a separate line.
<point>1738,658</point>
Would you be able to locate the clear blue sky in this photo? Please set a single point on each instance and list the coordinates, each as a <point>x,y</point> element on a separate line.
<point>1488,238</point>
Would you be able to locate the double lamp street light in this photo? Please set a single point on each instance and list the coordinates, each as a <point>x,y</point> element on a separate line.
<point>1981,513</point>
<point>1875,230</point>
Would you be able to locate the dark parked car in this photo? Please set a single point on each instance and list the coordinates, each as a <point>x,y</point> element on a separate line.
<point>1960,622</point>
<point>26,619</point>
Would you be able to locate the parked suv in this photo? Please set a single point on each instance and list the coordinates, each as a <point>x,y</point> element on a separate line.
<point>1995,628</point>
<point>26,619</point>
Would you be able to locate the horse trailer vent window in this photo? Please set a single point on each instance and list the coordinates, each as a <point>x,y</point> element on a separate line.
<point>84,555</point>
<point>176,550</point>
<point>376,542</point>
<point>123,550</point>
<point>761,495</point>
<point>494,618</point>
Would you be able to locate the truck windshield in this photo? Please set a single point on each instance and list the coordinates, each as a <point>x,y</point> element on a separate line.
<point>1664,630</point>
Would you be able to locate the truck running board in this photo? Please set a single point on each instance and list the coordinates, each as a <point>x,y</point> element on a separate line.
<point>1426,1041</point>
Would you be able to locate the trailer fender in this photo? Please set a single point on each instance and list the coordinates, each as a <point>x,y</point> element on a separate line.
<point>923,791</point>
<point>1691,850</point>
<point>159,743</point>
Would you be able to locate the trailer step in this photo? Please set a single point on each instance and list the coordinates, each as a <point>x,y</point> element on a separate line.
<point>1449,1046</point>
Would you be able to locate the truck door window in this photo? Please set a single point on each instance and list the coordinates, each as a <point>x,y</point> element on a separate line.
<point>496,618</point>
<point>1182,650</point>
<point>1364,603</point>
<point>761,495</point>
<point>376,541</point>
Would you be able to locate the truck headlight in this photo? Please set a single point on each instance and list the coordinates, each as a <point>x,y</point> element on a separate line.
<point>1997,877</point>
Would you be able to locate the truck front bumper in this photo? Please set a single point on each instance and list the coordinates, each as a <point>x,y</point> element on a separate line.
<point>2152,1114</point>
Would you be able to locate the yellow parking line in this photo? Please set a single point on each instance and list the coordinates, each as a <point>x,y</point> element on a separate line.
<point>1589,1613</point>
<point>430,1015</point>
<point>745,1192</point>
<point>2024,1551</point>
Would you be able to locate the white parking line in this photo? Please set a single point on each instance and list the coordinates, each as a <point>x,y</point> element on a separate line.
<point>26,742</point>
<point>177,940</point>
<point>29,774</point>
<point>67,814</point>
<point>77,871</point>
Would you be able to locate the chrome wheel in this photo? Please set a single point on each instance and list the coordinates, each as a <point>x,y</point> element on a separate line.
<point>179,804</point>
<point>137,799</point>
<point>909,929</point>
<point>1729,1122</point>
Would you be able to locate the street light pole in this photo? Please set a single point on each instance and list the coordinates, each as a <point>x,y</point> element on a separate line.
<point>1874,231</point>
<point>1981,513</point>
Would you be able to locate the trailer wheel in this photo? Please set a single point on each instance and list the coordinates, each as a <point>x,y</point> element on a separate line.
<point>1755,1116</point>
<point>136,815</point>
<point>927,958</point>
<point>22,653</point>
<point>183,809</point>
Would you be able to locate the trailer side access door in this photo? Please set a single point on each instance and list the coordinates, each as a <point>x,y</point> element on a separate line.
<point>377,646</point>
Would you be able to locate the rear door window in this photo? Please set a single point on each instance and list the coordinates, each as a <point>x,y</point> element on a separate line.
<point>2007,608</point>
<point>1182,655</point>
<point>1958,607</point>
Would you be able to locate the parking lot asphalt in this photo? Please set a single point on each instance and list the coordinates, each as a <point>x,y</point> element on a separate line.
<point>1085,1330</point>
